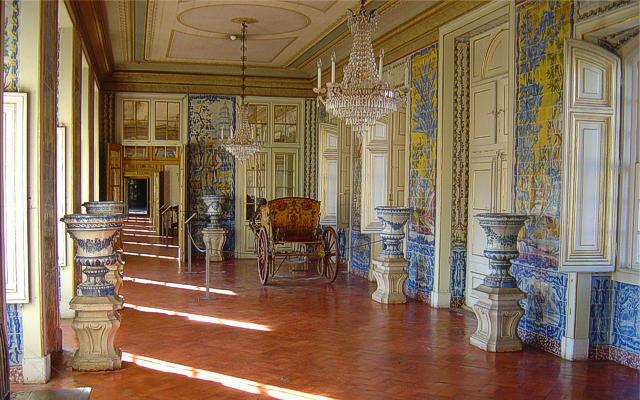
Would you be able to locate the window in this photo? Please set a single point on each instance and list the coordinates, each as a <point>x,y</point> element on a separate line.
<point>629,191</point>
<point>285,126</point>
<point>135,120</point>
<point>167,120</point>
<point>259,120</point>
<point>14,197</point>
<point>285,174</point>
<point>255,182</point>
<point>383,168</point>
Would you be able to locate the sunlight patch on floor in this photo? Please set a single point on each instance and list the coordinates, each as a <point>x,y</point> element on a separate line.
<point>201,318</point>
<point>229,381</point>
<point>179,285</point>
<point>150,244</point>
<point>130,253</point>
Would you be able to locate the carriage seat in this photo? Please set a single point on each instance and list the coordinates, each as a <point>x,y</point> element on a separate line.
<point>293,219</point>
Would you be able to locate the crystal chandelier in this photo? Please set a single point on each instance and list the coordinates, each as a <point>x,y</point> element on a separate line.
<point>242,143</point>
<point>362,97</point>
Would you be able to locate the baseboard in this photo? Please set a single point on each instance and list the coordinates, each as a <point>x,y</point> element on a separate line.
<point>574,349</point>
<point>36,369</point>
<point>440,299</point>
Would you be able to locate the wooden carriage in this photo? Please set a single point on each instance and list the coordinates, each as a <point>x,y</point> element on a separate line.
<point>293,220</point>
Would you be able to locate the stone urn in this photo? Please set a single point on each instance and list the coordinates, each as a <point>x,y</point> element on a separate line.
<point>96,321</point>
<point>104,207</point>
<point>497,309</point>
<point>502,245</point>
<point>116,272</point>
<point>213,202</point>
<point>393,221</point>
<point>389,269</point>
<point>95,236</point>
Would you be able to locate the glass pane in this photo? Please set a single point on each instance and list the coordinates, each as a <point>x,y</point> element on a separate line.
<point>161,111</point>
<point>174,111</point>
<point>284,174</point>
<point>142,111</point>
<point>129,110</point>
<point>254,182</point>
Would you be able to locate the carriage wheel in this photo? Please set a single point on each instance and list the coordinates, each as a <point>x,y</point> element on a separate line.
<point>264,258</point>
<point>331,258</point>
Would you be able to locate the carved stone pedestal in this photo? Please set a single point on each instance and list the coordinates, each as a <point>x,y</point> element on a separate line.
<point>497,309</point>
<point>97,320</point>
<point>214,239</point>
<point>96,324</point>
<point>390,275</point>
<point>498,313</point>
<point>389,267</point>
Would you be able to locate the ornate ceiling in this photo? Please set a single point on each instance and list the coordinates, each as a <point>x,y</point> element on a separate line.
<point>194,36</point>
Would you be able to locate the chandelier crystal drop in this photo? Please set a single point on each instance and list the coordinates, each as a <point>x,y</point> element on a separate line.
<point>363,97</point>
<point>242,142</point>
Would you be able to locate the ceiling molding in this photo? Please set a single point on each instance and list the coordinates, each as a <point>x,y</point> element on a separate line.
<point>89,17</point>
<point>406,39</point>
<point>161,82</point>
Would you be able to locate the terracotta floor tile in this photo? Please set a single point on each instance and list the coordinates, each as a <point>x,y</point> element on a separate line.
<point>303,339</point>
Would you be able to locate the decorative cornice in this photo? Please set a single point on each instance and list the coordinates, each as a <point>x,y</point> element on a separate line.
<point>602,9</point>
<point>88,18</point>
<point>133,81</point>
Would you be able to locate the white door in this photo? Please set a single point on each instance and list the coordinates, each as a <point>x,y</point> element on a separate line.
<point>489,131</point>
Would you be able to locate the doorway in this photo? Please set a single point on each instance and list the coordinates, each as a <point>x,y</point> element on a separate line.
<point>138,196</point>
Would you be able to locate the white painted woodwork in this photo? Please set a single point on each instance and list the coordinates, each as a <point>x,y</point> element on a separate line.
<point>482,121</point>
<point>398,179</point>
<point>383,167</point>
<point>344,184</point>
<point>590,150</point>
<point>629,209</point>
<point>328,182</point>
<point>375,168</point>
<point>14,197</point>
<point>489,135</point>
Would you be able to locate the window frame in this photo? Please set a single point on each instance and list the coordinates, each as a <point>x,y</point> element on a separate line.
<point>16,262</point>
<point>628,270</point>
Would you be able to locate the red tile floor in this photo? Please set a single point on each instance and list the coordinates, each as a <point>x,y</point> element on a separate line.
<point>303,339</point>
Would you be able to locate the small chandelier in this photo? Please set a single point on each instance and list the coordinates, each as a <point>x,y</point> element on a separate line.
<point>363,97</point>
<point>242,143</point>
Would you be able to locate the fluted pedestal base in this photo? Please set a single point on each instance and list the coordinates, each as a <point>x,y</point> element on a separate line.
<point>498,313</point>
<point>214,239</point>
<point>96,323</point>
<point>390,275</point>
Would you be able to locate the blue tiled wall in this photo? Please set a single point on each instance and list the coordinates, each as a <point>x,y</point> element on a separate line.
<point>360,253</point>
<point>600,310</point>
<point>544,320</point>
<point>420,253</point>
<point>625,314</point>
<point>14,334</point>
<point>211,170</point>
<point>458,263</point>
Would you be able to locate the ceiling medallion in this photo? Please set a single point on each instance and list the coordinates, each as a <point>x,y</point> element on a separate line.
<point>242,142</point>
<point>363,97</point>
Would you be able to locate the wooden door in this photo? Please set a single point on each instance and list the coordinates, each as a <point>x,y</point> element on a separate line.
<point>114,173</point>
<point>489,131</point>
